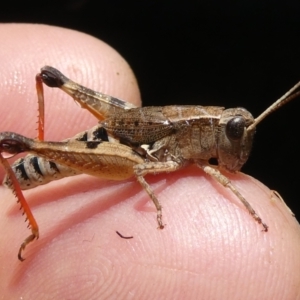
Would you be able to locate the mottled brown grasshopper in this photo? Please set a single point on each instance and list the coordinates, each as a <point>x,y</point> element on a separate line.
<point>131,141</point>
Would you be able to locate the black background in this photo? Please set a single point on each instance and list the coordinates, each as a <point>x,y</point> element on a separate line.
<point>226,53</point>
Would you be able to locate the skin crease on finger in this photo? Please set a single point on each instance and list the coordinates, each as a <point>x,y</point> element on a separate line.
<point>210,246</point>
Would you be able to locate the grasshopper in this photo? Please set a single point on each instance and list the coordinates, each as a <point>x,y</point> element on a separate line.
<point>131,141</point>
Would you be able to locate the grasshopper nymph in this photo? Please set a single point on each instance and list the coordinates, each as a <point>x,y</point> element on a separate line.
<point>132,141</point>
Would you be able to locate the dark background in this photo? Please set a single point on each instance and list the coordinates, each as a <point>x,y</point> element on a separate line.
<point>226,53</point>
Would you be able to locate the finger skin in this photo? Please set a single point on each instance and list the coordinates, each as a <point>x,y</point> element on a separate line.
<point>210,248</point>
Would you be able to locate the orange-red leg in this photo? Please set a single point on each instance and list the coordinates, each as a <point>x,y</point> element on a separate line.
<point>26,209</point>
<point>41,109</point>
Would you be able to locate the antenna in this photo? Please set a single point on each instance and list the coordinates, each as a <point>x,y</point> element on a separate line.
<point>288,96</point>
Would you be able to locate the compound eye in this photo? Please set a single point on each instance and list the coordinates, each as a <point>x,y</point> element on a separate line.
<point>235,128</point>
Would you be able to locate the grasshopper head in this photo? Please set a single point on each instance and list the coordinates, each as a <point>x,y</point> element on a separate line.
<point>234,140</point>
<point>236,130</point>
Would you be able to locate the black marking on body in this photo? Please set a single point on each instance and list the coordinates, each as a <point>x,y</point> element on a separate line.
<point>21,169</point>
<point>92,144</point>
<point>139,151</point>
<point>128,142</point>
<point>83,138</point>
<point>117,102</point>
<point>213,161</point>
<point>53,166</point>
<point>151,145</point>
<point>100,134</point>
<point>35,163</point>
